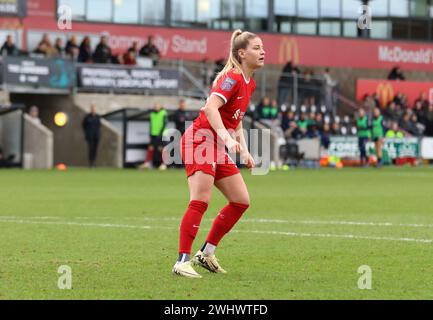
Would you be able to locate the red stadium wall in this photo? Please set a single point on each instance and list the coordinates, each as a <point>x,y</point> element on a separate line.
<point>387,89</point>
<point>194,44</point>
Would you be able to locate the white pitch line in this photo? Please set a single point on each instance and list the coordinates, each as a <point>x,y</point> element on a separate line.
<point>292,234</point>
<point>247,220</point>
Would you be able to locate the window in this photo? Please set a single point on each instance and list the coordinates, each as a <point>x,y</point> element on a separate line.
<point>379,8</point>
<point>183,11</point>
<point>78,8</point>
<point>152,12</point>
<point>332,28</point>
<point>350,29</point>
<point>399,8</point>
<point>330,8</point>
<point>308,8</point>
<point>419,8</point>
<point>232,8</point>
<point>306,27</point>
<point>419,30</point>
<point>379,29</point>
<point>256,8</point>
<point>399,29</point>
<point>351,8</point>
<point>99,10</point>
<point>285,7</point>
<point>208,10</point>
<point>126,11</point>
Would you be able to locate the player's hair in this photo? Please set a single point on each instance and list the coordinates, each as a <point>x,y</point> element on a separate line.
<point>239,40</point>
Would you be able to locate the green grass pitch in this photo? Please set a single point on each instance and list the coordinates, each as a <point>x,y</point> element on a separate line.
<point>304,237</point>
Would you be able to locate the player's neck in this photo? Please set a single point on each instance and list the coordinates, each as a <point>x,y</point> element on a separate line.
<point>247,73</point>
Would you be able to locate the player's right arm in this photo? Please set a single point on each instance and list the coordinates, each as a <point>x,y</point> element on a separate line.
<point>213,116</point>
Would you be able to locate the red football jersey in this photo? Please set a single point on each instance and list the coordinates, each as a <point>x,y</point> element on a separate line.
<point>236,92</point>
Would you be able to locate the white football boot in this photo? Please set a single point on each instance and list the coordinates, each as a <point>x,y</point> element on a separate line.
<point>209,262</point>
<point>185,269</point>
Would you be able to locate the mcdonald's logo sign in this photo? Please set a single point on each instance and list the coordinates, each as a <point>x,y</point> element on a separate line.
<point>385,92</point>
<point>289,51</point>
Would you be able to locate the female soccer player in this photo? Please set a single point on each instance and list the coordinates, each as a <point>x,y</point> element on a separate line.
<point>206,160</point>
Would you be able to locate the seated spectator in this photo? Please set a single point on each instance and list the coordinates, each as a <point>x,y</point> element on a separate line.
<point>325,136</point>
<point>102,52</point>
<point>422,99</point>
<point>289,126</point>
<point>419,110</point>
<point>85,53</point>
<point>394,131</point>
<point>396,74</point>
<point>428,118</point>
<point>72,49</point>
<point>34,114</point>
<point>267,110</point>
<point>405,123</point>
<point>302,123</point>
<point>335,129</point>
<point>129,58</point>
<point>391,113</point>
<point>416,128</point>
<point>150,50</point>
<point>9,48</point>
<point>134,49</point>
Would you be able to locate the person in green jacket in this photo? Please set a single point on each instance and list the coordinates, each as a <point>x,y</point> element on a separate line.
<point>363,129</point>
<point>377,133</point>
<point>158,122</point>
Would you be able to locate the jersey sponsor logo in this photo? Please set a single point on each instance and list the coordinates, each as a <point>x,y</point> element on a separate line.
<point>227,84</point>
<point>239,98</point>
<point>237,114</point>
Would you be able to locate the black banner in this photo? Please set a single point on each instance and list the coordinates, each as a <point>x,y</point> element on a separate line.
<point>123,78</point>
<point>13,8</point>
<point>49,73</point>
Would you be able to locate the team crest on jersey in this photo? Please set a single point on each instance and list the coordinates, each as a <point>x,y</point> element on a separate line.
<point>227,84</point>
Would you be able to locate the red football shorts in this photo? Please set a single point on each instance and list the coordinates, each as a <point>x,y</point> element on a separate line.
<point>200,152</point>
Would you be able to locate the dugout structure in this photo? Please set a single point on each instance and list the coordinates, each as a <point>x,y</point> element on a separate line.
<point>12,135</point>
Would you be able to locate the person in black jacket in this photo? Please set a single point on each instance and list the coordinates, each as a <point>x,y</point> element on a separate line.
<point>9,48</point>
<point>285,83</point>
<point>180,116</point>
<point>150,50</point>
<point>85,53</point>
<point>102,52</point>
<point>92,131</point>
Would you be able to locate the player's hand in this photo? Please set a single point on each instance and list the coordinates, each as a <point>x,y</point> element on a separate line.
<point>248,160</point>
<point>233,145</point>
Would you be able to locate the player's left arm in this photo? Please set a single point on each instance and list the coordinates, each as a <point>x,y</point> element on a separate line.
<point>246,157</point>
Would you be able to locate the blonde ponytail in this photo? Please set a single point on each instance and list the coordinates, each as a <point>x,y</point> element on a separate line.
<point>239,40</point>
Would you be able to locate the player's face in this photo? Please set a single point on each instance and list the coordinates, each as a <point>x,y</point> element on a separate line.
<point>254,54</point>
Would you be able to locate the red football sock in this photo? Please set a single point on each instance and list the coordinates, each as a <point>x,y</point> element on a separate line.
<point>190,225</point>
<point>225,221</point>
<point>149,155</point>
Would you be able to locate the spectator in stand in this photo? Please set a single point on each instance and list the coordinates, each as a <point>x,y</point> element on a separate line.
<point>369,104</point>
<point>419,110</point>
<point>331,85</point>
<point>396,74</point>
<point>180,116</point>
<point>85,54</point>
<point>72,49</point>
<point>45,47</point>
<point>335,129</point>
<point>428,118</point>
<point>285,83</point>
<point>102,52</point>
<point>288,125</point>
<point>266,110</point>
<point>391,113</point>
<point>405,122</point>
<point>376,99</point>
<point>302,123</point>
<point>325,136</point>
<point>219,66</point>
<point>422,99</point>
<point>134,48</point>
<point>394,131</point>
<point>129,58</point>
<point>9,48</point>
<point>309,89</point>
<point>34,115</point>
<point>416,128</point>
<point>150,50</point>
<point>58,45</point>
